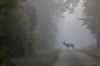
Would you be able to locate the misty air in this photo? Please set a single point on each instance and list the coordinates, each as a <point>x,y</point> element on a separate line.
<point>49,33</point>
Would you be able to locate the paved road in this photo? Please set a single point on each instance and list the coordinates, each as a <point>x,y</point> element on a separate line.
<point>75,58</point>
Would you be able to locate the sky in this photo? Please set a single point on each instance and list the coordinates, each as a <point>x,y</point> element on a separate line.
<point>72,31</point>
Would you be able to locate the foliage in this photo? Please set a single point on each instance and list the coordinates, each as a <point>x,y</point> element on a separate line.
<point>48,14</point>
<point>68,5</point>
<point>31,15</point>
<point>14,31</point>
<point>91,12</point>
<point>95,53</point>
<point>41,58</point>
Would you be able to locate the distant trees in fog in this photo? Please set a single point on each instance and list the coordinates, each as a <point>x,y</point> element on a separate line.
<point>92,20</point>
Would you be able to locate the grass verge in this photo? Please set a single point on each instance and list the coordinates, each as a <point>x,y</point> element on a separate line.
<point>95,53</point>
<point>41,58</point>
<point>46,58</point>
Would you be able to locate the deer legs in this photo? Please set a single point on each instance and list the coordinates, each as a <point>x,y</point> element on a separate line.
<point>67,48</point>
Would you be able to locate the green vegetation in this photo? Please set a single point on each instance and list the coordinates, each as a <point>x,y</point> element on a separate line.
<point>41,58</point>
<point>92,20</point>
<point>95,53</point>
<point>46,58</point>
<point>15,31</point>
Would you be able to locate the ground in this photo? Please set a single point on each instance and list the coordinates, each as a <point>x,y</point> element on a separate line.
<point>40,58</point>
<point>57,58</point>
<point>75,58</point>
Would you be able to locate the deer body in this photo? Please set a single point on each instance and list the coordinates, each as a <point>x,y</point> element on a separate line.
<point>69,45</point>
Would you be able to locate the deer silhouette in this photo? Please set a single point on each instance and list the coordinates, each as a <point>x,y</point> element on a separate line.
<point>69,45</point>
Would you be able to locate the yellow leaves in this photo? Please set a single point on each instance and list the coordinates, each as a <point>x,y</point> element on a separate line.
<point>4,50</point>
<point>9,4</point>
<point>4,9</point>
<point>2,64</point>
<point>20,10</point>
<point>1,18</point>
<point>3,53</point>
<point>22,20</point>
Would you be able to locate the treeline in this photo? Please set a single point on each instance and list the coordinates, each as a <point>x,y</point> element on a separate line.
<point>29,25</point>
<point>49,13</point>
<point>92,18</point>
<point>16,30</point>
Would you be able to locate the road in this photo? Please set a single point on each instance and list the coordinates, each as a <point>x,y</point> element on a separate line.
<point>75,58</point>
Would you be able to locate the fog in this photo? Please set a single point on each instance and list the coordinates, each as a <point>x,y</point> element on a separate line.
<point>34,32</point>
<point>72,31</point>
<point>70,28</point>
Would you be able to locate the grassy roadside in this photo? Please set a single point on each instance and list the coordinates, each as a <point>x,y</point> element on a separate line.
<point>46,58</point>
<point>95,53</point>
<point>41,58</point>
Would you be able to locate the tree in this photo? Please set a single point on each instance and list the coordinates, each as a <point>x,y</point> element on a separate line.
<point>68,5</point>
<point>15,30</point>
<point>48,13</point>
<point>91,12</point>
<point>31,15</point>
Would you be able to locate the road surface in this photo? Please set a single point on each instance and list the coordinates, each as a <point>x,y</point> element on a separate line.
<point>75,58</point>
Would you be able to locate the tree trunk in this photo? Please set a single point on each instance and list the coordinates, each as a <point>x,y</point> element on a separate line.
<point>98,40</point>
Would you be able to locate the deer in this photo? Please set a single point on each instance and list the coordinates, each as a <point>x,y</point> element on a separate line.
<point>69,45</point>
